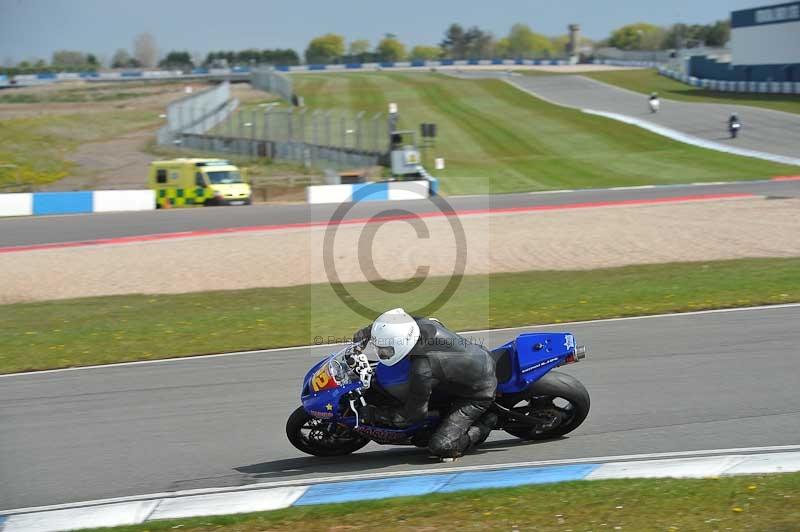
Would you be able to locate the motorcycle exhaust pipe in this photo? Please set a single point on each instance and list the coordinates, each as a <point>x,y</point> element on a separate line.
<point>580,352</point>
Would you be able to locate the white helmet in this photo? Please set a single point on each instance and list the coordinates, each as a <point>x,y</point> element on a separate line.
<point>394,335</point>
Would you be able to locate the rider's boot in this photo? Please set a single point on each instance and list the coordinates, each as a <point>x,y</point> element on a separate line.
<point>480,430</point>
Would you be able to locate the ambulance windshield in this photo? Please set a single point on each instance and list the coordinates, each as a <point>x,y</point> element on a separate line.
<point>223,177</point>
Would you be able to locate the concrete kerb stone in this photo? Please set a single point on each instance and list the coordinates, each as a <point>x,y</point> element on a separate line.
<point>133,510</point>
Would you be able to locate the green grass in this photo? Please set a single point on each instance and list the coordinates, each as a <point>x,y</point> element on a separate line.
<point>755,502</point>
<point>93,93</point>
<point>648,80</point>
<point>70,96</point>
<point>39,145</point>
<point>103,330</point>
<point>496,138</point>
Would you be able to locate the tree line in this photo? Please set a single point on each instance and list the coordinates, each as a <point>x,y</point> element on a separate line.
<point>642,36</point>
<point>458,42</point>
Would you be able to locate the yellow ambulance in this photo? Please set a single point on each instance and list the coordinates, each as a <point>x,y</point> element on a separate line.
<point>182,182</point>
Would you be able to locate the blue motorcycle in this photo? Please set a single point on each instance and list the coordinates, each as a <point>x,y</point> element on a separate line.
<point>532,401</point>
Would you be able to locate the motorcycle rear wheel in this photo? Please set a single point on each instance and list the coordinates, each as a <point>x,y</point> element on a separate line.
<point>557,396</point>
<point>314,436</point>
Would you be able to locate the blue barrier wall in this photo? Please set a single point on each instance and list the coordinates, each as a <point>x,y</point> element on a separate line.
<point>370,191</point>
<point>706,68</point>
<point>62,202</point>
<point>418,63</point>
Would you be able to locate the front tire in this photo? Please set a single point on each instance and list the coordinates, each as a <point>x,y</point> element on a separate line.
<point>558,397</point>
<point>314,436</point>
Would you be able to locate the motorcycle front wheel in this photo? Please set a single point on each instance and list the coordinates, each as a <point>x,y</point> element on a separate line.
<point>558,402</point>
<point>320,437</point>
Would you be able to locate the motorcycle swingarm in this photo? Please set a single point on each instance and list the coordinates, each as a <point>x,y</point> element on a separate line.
<point>517,418</point>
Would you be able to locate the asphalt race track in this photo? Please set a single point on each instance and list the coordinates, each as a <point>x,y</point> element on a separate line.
<point>762,129</point>
<point>35,230</point>
<point>661,384</point>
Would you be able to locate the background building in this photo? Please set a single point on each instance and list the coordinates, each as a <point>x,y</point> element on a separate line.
<point>765,46</point>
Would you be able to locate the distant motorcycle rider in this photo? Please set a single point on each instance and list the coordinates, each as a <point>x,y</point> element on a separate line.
<point>734,125</point>
<point>654,103</point>
<point>440,360</point>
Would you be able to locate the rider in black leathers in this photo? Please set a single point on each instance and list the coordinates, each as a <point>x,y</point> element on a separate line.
<point>444,361</point>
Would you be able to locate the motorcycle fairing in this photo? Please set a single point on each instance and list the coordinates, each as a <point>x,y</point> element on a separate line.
<point>533,355</point>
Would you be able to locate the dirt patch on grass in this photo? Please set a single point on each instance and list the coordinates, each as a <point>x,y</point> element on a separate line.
<point>562,240</point>
<point>118,161</point>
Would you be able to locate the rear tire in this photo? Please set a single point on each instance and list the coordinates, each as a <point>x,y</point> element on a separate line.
<point>557,395</point>
<point>312,436</point>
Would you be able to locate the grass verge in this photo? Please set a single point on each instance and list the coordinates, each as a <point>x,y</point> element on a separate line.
<point>648,80</point>
<point>755,502</point>
<point>103,330</point>
<point>496,138</point>
<point>39,145</point>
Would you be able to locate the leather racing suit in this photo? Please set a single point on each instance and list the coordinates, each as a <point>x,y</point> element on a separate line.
<point>446,362</point>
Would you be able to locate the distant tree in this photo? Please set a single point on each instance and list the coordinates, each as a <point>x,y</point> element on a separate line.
<point>425,53</point>
<point>719,33</point>
<point>639,36</point>
<point>325,49</point>
<point>560,44</point>
<point>686,36</point>
<point>176,60</point>
<point>68,59</point>
<point>502,48</point>
<point>23,65</point>
<point>122,59</point>
<point>39,64</point>
<point>478,44</point>
<point>358,47</point>
<point>145,50</point>
<point>454,44</point>
<point>391,49</point>
<point>525,43</point>
<point>92,61</point>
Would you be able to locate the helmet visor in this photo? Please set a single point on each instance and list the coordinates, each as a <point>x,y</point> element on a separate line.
<point>385,353</point>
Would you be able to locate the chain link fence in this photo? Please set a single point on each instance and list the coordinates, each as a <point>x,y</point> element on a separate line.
<point>314,138</point>
<point>267,79</point>
<point>197,113</point>
<point>209,121</point>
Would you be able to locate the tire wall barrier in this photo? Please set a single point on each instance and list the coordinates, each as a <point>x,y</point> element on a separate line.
<point>44,203</point>
<point>773,87</point>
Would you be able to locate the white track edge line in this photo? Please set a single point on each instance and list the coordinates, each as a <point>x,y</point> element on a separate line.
<point>478,331</point>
